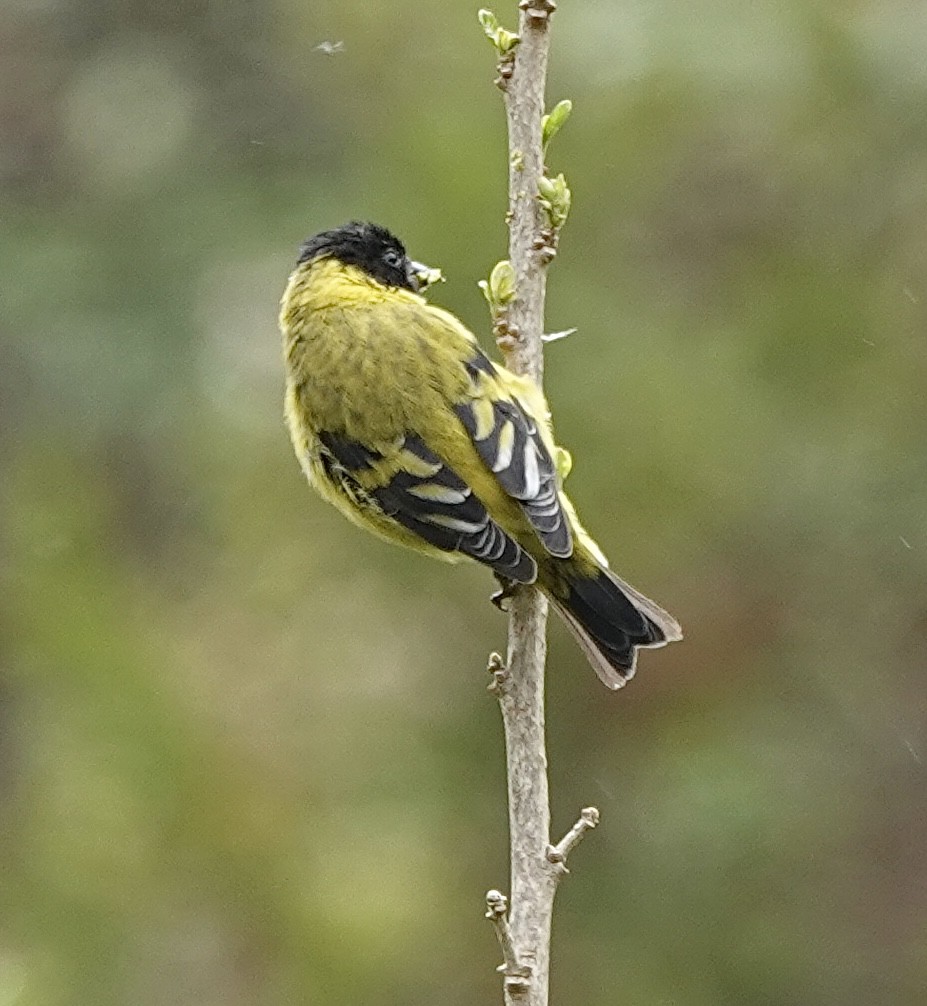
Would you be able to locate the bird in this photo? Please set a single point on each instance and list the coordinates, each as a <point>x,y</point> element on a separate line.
<point>401,421</point>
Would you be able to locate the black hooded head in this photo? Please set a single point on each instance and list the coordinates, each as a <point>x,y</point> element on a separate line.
<point>367,246</point>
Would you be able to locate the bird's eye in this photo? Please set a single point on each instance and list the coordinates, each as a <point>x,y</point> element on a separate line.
<point>392,258</point>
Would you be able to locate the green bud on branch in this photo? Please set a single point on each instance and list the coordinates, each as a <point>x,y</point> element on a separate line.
<point>554,121</point>
<point>504,41</point>
<point>555,197</point>
<point>500,290</point>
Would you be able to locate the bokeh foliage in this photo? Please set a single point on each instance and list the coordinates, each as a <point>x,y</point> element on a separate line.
<point>246,753</point>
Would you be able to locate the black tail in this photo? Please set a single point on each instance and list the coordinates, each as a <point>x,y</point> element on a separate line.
<point>611,620</point>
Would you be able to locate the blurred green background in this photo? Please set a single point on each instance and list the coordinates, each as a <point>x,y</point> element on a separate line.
<point>246,754</point>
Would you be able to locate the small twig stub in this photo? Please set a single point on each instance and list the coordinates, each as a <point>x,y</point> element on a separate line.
<point>495,666</point>
<point>588,819</point>
<point>497,911</point>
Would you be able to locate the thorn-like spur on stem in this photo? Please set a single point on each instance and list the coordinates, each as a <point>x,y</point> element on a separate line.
<point>517,975</point>
<point>555,336</point>
<point>557,854</point>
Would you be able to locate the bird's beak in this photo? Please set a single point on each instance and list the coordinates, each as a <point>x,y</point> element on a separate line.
<point>422,276</point>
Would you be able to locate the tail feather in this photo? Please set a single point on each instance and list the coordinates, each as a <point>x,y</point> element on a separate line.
<point>611,621</point>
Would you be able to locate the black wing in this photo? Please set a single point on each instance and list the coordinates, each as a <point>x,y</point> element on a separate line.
<point>507,439</point>
<point>426,497</point>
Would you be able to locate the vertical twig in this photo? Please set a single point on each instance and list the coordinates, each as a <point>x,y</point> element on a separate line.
<point>522,702</point>
<point>524,106</point>
<point>536,866</point>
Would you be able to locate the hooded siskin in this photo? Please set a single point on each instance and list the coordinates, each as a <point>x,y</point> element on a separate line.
<point>401,421</point>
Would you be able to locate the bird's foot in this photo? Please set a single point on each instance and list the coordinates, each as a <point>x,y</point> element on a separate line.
<point>506,590</point>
